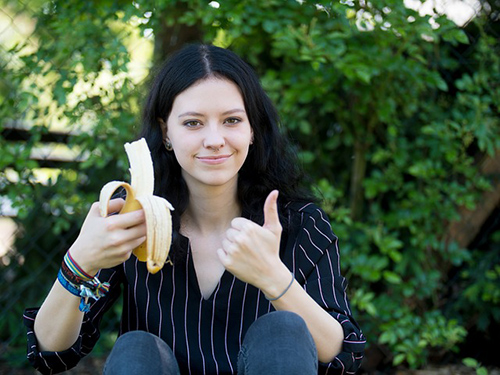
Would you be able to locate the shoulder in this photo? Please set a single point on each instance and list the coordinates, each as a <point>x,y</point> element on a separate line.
<point>309,219</point>
<point>305,207</point>
<point>311,242</point>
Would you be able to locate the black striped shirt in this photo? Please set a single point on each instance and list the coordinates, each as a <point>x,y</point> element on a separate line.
<point>206,334</point>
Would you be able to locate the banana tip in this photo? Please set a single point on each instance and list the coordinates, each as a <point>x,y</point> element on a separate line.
<point>153,267</point>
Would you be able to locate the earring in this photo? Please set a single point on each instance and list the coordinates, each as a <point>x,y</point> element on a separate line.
<point>168,145</point>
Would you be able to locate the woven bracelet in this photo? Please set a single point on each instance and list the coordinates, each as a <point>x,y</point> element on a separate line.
<point>286,289</point>
<point>79,283</point>
<point>75,269</point>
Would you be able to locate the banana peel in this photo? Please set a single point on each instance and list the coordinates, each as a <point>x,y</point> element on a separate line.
<point>154,251</point>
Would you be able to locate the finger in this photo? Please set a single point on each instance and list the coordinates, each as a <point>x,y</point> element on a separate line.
<point>115,205</point>
<point>232,234</point>
<point>271,217</point>
<point>223,257</point>
<point>126,220</point>
<point>127,238</point>
<point>241,223</point>
<point>122,253</point>
<point>133,233</point>
<point>137,242</point>
<point>228,247</point>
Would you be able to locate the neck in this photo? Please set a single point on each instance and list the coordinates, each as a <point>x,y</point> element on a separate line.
<point>211,209</point>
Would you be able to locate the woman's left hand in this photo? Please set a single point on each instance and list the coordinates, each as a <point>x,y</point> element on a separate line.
<point>251,252</point>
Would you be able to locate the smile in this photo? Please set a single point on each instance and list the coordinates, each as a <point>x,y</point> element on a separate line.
<point>213,159</point>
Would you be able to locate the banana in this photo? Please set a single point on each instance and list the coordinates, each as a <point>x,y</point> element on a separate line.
<point>155,249</point>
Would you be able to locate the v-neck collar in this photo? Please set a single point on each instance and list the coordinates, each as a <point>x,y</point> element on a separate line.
<point>193,281</point>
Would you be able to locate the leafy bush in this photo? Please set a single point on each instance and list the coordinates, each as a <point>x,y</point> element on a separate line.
<point>388,110</point>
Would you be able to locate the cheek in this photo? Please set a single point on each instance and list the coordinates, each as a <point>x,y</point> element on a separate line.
<point>181,154</point>
<point>244,147</point>
<point>244,139</point>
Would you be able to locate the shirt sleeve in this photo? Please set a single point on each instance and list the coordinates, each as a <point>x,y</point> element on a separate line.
<point>55,362</point>
<point>317,268</point>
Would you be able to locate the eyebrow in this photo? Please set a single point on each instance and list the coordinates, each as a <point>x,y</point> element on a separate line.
<point>197,114</point>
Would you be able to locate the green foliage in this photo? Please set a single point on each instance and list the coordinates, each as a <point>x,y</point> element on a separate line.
<point>387,120</point>
<point>479,282</point>
<point>472,363</point>
<point>415,337</point>
<point>74,80</point>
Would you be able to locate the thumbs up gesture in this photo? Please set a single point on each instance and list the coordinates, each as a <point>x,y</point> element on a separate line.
<point>250,251</point>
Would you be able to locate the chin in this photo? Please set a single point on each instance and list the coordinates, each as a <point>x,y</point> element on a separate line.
<point>219,181</point>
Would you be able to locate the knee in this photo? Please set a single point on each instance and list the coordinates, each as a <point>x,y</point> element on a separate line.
<point>134,342</point>
<point>281,329</point>
<point>279,343</point>
<point>280,323</point>
<point>130,339</point>
<point>285,319</point>
<point>140,352</point>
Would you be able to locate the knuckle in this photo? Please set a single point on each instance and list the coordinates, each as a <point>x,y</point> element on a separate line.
<point>230,248</point>
<point>125,255</point>
<point>140,215</point>
<point>238,222</point>
<point>110,224</point>
<point>114,240</point>
<point>250,231</point>
<point>241,238</point>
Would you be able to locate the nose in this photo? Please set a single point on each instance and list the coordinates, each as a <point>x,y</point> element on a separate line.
<point>214,139</point>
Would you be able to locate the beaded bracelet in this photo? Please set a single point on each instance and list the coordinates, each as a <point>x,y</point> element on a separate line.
<point>286,289</point>
<point>79,283</point>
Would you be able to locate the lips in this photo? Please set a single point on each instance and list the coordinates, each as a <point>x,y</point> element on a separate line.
<point>213,159</point>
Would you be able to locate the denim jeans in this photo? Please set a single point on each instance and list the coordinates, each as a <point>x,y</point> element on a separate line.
<point>276,343</point>
<point>140,352</point>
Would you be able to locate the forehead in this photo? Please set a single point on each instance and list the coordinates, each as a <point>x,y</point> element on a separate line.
<point>209,92</point>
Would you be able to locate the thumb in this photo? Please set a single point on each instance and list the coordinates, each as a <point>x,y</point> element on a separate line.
<point>271,218</point>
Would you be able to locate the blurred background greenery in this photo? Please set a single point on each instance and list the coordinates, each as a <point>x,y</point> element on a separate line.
<point>394,108</point>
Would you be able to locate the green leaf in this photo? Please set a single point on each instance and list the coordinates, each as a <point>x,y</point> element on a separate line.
<point>398,359</point>
<point>392,277</point>
<point>470,362</point>
<point>456,36</point>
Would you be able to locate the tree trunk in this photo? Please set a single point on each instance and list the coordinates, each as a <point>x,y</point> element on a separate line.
<point>357,177</point>
<point>464,231</point>
<point>168,39</point>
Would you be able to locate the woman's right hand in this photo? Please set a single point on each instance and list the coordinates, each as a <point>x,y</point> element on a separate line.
<point>105,242</point>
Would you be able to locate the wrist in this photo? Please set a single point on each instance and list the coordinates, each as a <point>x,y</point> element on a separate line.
<point>79,283</point>
<point>282,281</point>
<point>82,262</point>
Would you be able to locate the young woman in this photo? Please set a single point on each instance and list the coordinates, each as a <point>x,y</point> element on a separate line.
<point>255,286</point>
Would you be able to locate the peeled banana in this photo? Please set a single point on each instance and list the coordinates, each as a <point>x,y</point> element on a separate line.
<point>155,249</point>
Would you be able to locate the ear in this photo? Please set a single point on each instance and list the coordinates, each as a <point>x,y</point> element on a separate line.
<point>251,136</point>
<point>163,126</point>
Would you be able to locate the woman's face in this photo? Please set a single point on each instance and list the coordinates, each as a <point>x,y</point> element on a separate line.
<point>210,132</point>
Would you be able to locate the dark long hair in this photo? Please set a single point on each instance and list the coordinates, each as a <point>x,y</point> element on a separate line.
<point>271,162</point>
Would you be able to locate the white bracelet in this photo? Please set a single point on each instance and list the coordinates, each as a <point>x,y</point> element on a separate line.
<point>286,289</point>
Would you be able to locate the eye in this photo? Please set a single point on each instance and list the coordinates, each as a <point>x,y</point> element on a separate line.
<point>191,123</point>
<point>232,120</point>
